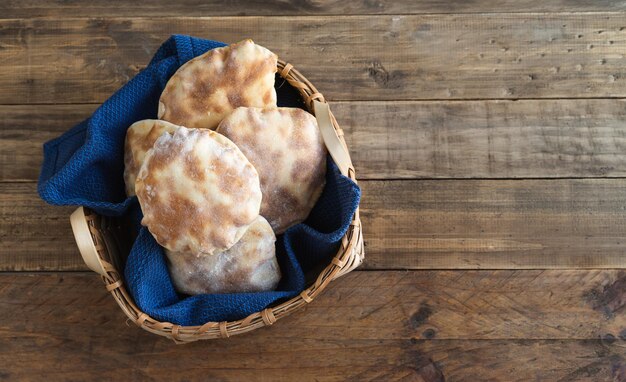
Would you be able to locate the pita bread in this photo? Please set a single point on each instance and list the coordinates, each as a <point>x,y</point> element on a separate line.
<point>248,266</point>
<point>197,191</point>
<point>286,147</point>
<point>210,86</point>
<point>140,138</point>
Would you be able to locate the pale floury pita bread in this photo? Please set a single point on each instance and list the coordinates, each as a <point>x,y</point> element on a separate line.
<point>210,86</point>
<point>286,147</point>
<point>197,191</point>
<point>248,266</point>
<point>140,138</point>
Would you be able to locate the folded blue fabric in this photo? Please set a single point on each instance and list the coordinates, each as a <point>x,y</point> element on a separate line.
<point>85,165</point>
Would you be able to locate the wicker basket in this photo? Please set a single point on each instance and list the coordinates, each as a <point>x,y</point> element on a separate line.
<point>104,243</point>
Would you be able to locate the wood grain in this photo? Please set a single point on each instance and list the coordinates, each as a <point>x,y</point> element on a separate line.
<point>495,224</point>
<point>478,305</point>
<point>429,224</point>
<point>500,56</point>
<point>158,8</point>
<point>369,326</point>
<point>33,235</point>
<point>408,140</point>
<point>486,139</point>
<point>23,131</point>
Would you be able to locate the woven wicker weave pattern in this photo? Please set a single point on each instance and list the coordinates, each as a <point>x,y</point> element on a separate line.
<point>107,245</point>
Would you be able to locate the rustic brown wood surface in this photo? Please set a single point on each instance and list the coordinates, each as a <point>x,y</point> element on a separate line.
<point>427,224</point>
<point>486,135</point>
<point>414,139</point>
<point>503,325</point>
<point>158,8</point>
<point>403,57</point>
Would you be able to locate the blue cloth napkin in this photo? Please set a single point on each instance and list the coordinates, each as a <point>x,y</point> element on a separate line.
<point>85,165</point>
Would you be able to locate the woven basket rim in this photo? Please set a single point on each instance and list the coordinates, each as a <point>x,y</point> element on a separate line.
<point>349,256</point>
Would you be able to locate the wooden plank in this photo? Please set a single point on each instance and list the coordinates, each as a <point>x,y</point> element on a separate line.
<point>369,326</point>
<point>501,56</point>
<point>33,235</point>
<point>486,139</point>
<point>407,140</point>
<point>158,8</point>
<point>476,305</point>
<point>504,224</point>
<point>23,131</point>
<point>444,305</point>
<point>320,360</point>
<point>443,224</point>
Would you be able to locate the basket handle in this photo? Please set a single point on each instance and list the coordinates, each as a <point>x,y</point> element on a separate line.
<point>84,240</point>
<point>337,150</point>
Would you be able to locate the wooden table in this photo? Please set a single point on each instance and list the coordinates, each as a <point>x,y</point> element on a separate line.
<point>490,144</point>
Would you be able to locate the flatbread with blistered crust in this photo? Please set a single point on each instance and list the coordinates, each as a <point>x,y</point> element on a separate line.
<point>140,138</point>
<point>248,266</point>
<point>197,191</point>
<point>286,147</point>
<point>210,86</point>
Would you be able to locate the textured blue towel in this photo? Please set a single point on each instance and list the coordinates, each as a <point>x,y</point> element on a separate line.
<point>85,165</point>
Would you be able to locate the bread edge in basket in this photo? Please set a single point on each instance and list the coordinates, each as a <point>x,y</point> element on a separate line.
<point>97,240</point>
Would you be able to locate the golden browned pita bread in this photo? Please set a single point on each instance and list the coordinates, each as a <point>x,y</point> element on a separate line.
<point>210,86</point>
<point>197,191</point>
<point>248,266</point>
<point>286,147</point>
<point>140,138</point>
